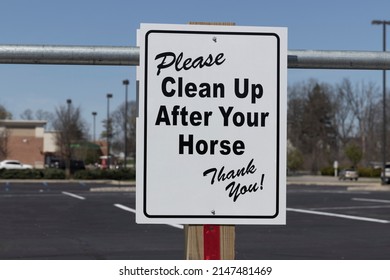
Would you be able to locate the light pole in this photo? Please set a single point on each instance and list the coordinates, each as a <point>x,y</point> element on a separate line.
<point>126,84</point>
<point>69,102</point>
<point>384,128</point>
<point>68,118</point>
<point>108,131</point>
<point>68,141</point>
<point>94,126</point>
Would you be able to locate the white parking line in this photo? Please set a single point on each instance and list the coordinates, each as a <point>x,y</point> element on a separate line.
<point>351,207</point>
<point>133,211</point>
<point>339,215</point>
<point>371,200</point>
<point>125,208</point>
<point>176,226</point>
<point>357,207</point>
<point>73,195</point>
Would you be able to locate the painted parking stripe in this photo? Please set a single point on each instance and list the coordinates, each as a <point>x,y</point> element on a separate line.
<point>339,215</point>
<point>125,208</point>
<point>371,200</point>
<point>351,207</point>
<point>133,211</point>
<point>176,226</point>
<point>73,195</point>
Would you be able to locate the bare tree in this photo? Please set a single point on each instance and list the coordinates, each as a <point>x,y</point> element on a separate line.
<point>47,116</point>
<point>311,123</point>
<point>4,136</point>
<point>4,133</point>
<point>118,123</point>
<point>4,114</point>
<point>344,115</point>
<point>358,115</point>
<point>27,115</point>
<point>40,114</point>
<point>70,129</point>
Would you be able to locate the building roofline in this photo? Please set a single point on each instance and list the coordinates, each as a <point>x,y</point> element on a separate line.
<point>23,123</point>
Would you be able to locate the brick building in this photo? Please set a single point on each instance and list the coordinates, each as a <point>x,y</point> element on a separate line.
<point>23,140</point>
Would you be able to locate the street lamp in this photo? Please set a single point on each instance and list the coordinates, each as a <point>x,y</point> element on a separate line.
<point>69,102</point>
<point>108,131</point>
<point>384,140</point>
<point>94,126</point>
<point>68,139</point>
<point>126,84</point>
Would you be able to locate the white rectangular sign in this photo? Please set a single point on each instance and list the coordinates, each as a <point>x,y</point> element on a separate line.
<point>211,134</point>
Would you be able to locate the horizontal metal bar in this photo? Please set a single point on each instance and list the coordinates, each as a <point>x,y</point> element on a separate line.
<point>72,55</point>
<point>129,56</point>
<point>363,60</point>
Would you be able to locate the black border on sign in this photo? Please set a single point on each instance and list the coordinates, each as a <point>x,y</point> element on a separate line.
<point>252,217</point>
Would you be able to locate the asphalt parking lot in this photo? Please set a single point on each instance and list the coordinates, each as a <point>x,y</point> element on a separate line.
<point>325,222</point>
<point>84,220</point>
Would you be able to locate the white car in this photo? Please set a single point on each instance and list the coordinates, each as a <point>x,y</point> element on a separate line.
<point>350,174</point>
<point>13,164</point>
<point>386,177</point>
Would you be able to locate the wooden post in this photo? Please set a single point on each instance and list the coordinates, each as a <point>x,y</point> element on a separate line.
<point>193,242</point>
<point>202,241</point>
<point>210,242</point>
<point>228,241</point>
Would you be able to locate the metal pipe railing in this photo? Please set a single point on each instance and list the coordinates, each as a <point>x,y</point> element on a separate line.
<point>71,55</point>
<point>129,56</point>
<point>363,60</point>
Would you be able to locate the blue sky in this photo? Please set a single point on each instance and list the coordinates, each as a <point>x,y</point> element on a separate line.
<point>316,25</point>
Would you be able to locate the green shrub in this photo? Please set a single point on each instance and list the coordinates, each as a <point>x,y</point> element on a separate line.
<point>362,171</point>
<point>21,174</point>
<point>111,174</point>
<point>87,174</point>
<point>327,171</point>
<point>369,172</point>
<point>54,173</point>
<point>120,174</point>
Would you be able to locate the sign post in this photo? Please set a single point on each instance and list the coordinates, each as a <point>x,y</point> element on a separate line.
<point>335,167</point>
<point>208,242</point>
<point>212,234</point>
<point>211,131</point>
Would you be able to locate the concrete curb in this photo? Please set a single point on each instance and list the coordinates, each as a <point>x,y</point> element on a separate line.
<point>113,189</point>
<point>370,188</point>
<point>363,184</point>
<point>111,182</point>
<point>117,186</point>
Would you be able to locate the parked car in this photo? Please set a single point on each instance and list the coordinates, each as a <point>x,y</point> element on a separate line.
<point>13,164</point>
<point>350,174</point>
<point>386,177</point>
